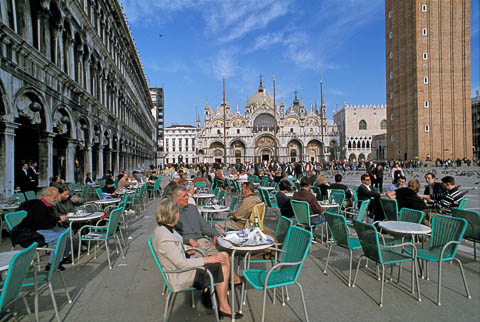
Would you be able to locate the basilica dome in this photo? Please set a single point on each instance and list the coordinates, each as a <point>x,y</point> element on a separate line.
<point>260,97</point>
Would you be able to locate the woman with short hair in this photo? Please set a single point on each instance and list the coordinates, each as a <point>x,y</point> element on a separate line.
<point>168,246</point>
<point>408,197</point>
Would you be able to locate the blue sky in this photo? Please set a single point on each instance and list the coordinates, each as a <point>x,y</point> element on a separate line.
<point>299,41</point>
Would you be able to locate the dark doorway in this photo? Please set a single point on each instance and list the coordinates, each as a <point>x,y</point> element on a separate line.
<point>27,144</point>
<point>265,157</point>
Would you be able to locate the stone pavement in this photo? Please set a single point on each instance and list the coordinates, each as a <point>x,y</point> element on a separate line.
<point>131,291</point>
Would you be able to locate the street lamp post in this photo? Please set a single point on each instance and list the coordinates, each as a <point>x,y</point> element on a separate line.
<point>274,123</point>
<point>224,123</point>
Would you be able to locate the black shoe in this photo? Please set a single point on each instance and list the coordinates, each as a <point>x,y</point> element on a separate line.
<point>207,299</point>
<point>60,267</point>
<point>66,260</point>
<point>222,314</point>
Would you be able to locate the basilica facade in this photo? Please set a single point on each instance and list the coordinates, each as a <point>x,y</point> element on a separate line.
<point>266,131</point>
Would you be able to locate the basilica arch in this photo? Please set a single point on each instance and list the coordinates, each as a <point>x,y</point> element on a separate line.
<point>216,149</point>
<point>295,150</point>
<point>264,148</point>
<point>314,150</point>
<point>238,149</point>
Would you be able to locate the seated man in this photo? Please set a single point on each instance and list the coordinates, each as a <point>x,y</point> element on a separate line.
<point>434,189</point>
<point>42,218</point>
<point>124,183</point>
<point>366,192</point>
<point>172,184</point>
<point>452,198</point>
<point>66,203</point>
<point>191,225</point>
<point>339,185</point>
<point>109,188</point>
<point>305,195</point>
<point>401,182</point>
<point>243,175</point>
<point>238,217</point>
<point>283,201</point>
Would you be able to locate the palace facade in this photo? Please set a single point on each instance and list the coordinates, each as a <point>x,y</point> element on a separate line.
<point>266,131</point>
<point>73,94</point>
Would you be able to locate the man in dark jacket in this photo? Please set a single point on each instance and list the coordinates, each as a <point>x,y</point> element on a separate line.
<point>366,192</point>
<point>436,190</point>
<point>339,185</point>
<point>42,218</point>
<point>305,195</point>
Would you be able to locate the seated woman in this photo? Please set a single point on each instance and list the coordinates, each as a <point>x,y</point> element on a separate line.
<point>283,201</point>
<point>323,185</point>
<point>168,246</point>
<point>408,197</point>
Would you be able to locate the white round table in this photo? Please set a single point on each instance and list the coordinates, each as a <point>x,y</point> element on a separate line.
<point>5,259</point>
<point>248,248</point>
<point>207,210</point>
<point>73,218</point>
<point>289,194</point>
<point>403,227</point>
<point>106,202</point>
<point>242,181</point>
<point>267,188</point>
<point>328,205</point>
<point>203,196</point>
<point>8,207</point>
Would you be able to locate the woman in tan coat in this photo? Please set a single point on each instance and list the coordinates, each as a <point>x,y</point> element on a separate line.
<point>168,246</point>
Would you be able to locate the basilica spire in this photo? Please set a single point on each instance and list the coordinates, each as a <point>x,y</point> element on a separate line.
<point>260,87</point>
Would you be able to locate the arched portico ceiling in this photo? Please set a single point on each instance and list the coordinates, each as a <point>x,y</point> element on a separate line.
<point>237,143</point>
<point>30,104</point>
<point>62,121</point>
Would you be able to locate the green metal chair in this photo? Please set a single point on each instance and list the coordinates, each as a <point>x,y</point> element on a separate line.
<point>390,208</point>
<point>171,292</point>
<point>102,233</point>
<point>221,196</point>
<point>285,272</point>
<point>45,277</point>
<point>17,270</point>
<point>385,255</point>
<point>410,215</point>
<point>14,218</point>
<point>447,233</point>
<point>361,212</point>
<point>338,196</point>
<point>463,203</point>
<point>99,193</point>
<point>200,184</point>
<point>20,196</point>
<point>281,233</point>
<point>337,225</point>
<point>472,232</point>
<point>301,210</point>
<point>30,195</point>
<point>318,193</point>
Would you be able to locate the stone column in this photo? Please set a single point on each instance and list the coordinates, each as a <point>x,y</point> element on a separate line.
<point>7,165</point>
<point>116,163</point>
<point>70,161</point>
<point>109,159</point>
<point>100,162</point>
<point>45,162</point>
<point>87,159</point>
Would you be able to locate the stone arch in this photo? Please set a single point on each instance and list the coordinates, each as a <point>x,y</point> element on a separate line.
<point>295,150</point>
<point>314,150</point>
<point>361,157</point>
<point>363,144</point>
<point>352,157</point>
<point>63,117</point>
<point>349,144</point>
<point>83,131</point>
<point>30,103</point>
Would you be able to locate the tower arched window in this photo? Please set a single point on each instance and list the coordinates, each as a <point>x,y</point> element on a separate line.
<point>349,144</point>
<point>362,125</point>
<point>363,144</point>
<point>383,124</point>
<point>368,145</point>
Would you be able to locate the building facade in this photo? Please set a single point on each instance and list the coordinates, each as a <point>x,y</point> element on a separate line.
<point>379,148</point>
<point>428,79</point>
<point>266,131</point>
<point>73,94</point>
<point>180,144</point>
<point>158,113</point>
<point>476,125</point>
<point>357,125</point>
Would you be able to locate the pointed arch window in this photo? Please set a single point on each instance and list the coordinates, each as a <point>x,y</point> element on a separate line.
<point>383,124</point>
<point>362,125</point>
